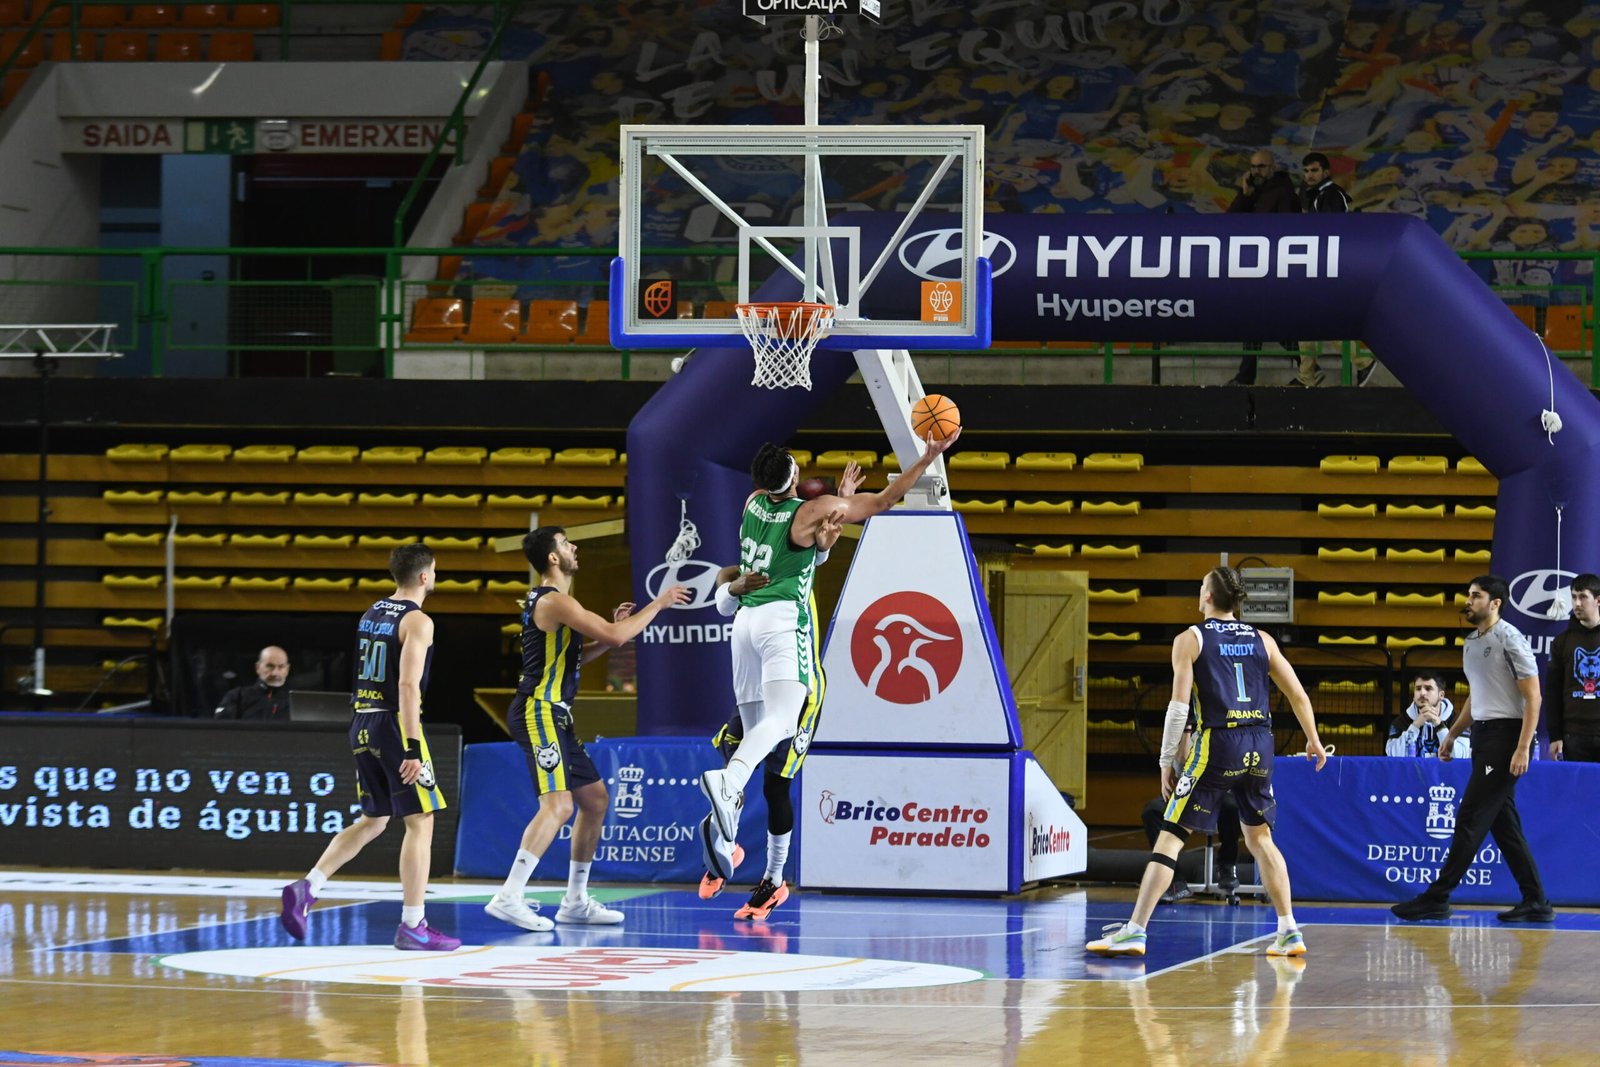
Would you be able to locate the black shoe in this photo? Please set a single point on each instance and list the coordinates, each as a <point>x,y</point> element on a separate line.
<point>1178,890</point>
<point>1228,878</point>
<point>1364,374</point>
<point>1529,911</point>
<point>1239,381</point>
<point>1422,907</point>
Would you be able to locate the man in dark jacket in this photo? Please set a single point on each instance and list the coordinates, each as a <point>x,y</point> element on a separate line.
<point>1572,688</point>
<point>1321,194</point>
<point>265,698</point>
<point>1265,189</point>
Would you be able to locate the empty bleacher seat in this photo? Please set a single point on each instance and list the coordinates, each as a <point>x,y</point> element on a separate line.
<point>1043,507</point>
<point>801,456</point>
<point>506,586</point>
<point>1113,461</point>
<point>1418,465</point>
<point>495,180</point>
<point>455,456</point>
<point>151,15</point>
<point>202,14</point>
<point>1047,461</point>
<point>1347,639</point>
<point>37,9</point>
<point>258,498</point>
<point>585,457</point>
<point>1470,465</point>
<point>1404,641</point>
<point>1413,511</point>
<point>1413,555</point>
<point>458,585</point>
<point>194,497</point>
<point>318,584</point>
<point>1348,598</point>
<point>101,16</point>
<point>451,500</point>
<point>387,500</point>
<point>259,540</point>
<point>1109,551</point>
<point>384,542</point>
<point>1110,507</point>
<point>516,500</point>
<point>978,461</point>
<point>1396,599</point>
<point>132,497</point>
<point>493,322</point>
<point>323,500</point>
<point>1347,511</point>
<point>375,585</point>
<point>1347,555</point>
<point>519,457</point>
<point>581,503</point>
<point>256,16</point>
<point>199,583</point>
<point>1474,511</point>
<point>125,47</point>
<point>979,507</point>
<point>199,539</point>
<point>1563,328</point>
<point>177,47</point>
<point>391,455</point>
<point>453,544</point>
<point>596,324</point>
<point>550,322</point>
<point>1348,465</point>
<point>1060,551</point>
<point>437,320</point>
<point>131,581</point>
<point>324,541</point>
<point>328,455</point>
<point>264,454</point>
<point>1472,555</point>
<point>201,453</point>
<point>230,48</point>
<point>137,453</point>
<point>132,539</point>
<point>65,48</point>
<point>1128,636</point>
<point>261,584</point>
<point>1113,596</point>
<point>130,622</point>
<point>472,219</point>
<point>837,459</point>
<point>29,55</point>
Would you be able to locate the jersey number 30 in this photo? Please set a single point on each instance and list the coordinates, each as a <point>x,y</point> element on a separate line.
<point>374,660</point>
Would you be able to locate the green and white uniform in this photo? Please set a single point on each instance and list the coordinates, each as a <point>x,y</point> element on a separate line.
<point>773,636</point>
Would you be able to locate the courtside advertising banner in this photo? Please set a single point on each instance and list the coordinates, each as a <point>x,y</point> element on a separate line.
<point>1055,841</point>
<point>912,822</point>
<point>911,656</point>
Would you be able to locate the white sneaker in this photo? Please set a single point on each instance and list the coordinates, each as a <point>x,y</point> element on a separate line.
<point>517,913</point>
<point>724,804</point>
<point>588,911</point>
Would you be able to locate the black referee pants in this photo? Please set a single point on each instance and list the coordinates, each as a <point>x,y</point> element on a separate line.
<point>1490,807</point>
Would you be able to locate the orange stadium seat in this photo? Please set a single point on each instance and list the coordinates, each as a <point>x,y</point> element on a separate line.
<point>471,222</point>
<point>436,319</point>
<point>1563,328</point>
<point>177,47</point>
<point>231,48</point>
<point>63,50</point>
<point>550,322</point>
<point>519,133</point>
<point>11,12</point>
<point>596,324</point>
<point>256,16</point>
<point>100,16</point>
<point>126,48</point>
<point>392,46</point>
<point>152,14</point>
<point>494,322</point>
<point>499,171</point>
<point>58,17</point>
<point>202,14</point>
<point>1525,314</point>
<point>27,55</point>
<point>409,14</point>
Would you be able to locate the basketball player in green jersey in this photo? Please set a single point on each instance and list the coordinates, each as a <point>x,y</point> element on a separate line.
<point>773,654</point>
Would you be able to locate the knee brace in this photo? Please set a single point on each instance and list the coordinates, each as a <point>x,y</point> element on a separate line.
<point>1165,860</point>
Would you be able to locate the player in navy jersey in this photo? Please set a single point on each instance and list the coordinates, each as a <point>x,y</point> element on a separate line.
<point>540,718</point>
<point>1223,665</point>
<point>394,770</point>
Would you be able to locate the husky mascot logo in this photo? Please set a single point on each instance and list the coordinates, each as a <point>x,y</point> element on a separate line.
<point>548,757</point>
<point>1586,673</point>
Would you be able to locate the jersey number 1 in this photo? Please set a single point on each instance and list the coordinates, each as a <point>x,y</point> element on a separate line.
<point>1238,677</point>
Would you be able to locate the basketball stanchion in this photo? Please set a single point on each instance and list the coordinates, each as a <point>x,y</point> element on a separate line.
<point>783,335</point>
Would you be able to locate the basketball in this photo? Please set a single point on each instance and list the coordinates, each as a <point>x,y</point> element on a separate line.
<point>811,488</point>
<point>935,416</point>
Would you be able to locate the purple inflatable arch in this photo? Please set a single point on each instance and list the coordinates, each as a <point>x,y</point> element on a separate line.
<point>1387,280</point>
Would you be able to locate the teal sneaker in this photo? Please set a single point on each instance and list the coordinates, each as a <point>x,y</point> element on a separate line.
<point>1288,943</point>
<point>1118,941</point>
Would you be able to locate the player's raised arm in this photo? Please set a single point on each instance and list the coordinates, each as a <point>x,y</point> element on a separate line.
<point>1282,673</point>
<point>559,609</point>
<point>862,506</point>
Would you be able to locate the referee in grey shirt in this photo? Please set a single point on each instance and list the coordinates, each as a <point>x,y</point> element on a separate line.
<point>1503,706</point>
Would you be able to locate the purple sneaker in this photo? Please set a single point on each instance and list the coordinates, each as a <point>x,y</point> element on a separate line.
<point>424,938</point>
<point>297,901</point>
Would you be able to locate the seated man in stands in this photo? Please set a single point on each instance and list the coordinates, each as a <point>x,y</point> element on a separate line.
<point>265,698</point>
<point>1227,869</point>
<point>1422,726</point>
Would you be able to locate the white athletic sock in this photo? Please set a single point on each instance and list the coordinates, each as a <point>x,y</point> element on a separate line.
<point>317,880</point>
<point>1132,927</point>
<point>412,917</point>
<point>578,880</point>
<point>1286,923</point>
<point>521,870</point>
<point>777,856</point>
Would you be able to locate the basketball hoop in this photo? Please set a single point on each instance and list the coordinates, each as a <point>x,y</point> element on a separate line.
<point>783,336</point>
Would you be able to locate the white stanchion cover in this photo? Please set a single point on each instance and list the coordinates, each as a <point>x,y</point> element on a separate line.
<point>1055,842</point>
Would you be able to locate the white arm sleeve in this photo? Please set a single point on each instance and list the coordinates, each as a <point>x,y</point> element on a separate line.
<point>822,556</point>
<point>1172,732</point>
<point>727,603</point>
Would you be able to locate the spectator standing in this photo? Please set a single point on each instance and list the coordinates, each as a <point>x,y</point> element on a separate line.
<point>1263,189</point>
<point>1322,195</point>
<point>1573,685</point>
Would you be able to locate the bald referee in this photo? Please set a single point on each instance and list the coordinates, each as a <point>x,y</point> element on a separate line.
<point>1503,706</point>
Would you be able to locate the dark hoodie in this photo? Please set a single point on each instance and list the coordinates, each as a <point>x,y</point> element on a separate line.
<point>1276,195</point>
<point>1572,687</point>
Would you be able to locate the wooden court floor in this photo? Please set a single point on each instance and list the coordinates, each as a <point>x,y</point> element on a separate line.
<point>194,970</point>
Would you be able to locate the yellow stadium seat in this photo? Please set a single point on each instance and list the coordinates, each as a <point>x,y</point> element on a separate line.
<point>132,497</point>
<point>391,455</point>
<point>1413,600</point>
<point>511,629</point>
<point>131,539</point>
<point>253,584</point>
<point>1418,465</point>
<point>1109,551</point>
<point>453,456</point>
<point>1113,596</point>
<point>137,453</point>
<point>1470,465</point>
<point>199,583</point>
<point>1472,555</point>
<point>837,459</point>
<point>375,585</point>
<point>1344,686</point>
<point>131,581</point>
<point>1115,635</point>
<point>323,500</point>
<point>1113,461</point>
<point>199,540</point>
<point>251,499</point>
<point>452,500</point>
<point>324,585</point>
<point>259,540</point>
<point>1349,465</point>
<point>1109,507</point>
<point>458,585</point>
<point>581,503</point>
<point>1347,555</point>
<point>196,497</point>
<point>1347,639</point>
<point>979,507</point>
<point>1460,600</point>
<point>387,500</point>
<point>978,461</point>
<point>324,541</point>
<point>1042,507</point>
<point>1351,599</point>
<point>1047,461</point>
<point>507,585</point>
<point>386,542</point>
<point>516,500</point>
<point>121,622</point>
<point>328,455</point>
<point>802,456</point>
<point>1347,511</point>
<point>586,457</point>
<point>201,453</point>
<point>1474,511</point>
<point>1413,511</point>
<point>519,457</point>
<point>1060,551</point>
<point>453,544</point>
<point>1402,641</point>
<point>1413,555</point>
<point>264,454</point>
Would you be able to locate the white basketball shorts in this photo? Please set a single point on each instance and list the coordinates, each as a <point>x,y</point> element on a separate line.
<point>771,643</point>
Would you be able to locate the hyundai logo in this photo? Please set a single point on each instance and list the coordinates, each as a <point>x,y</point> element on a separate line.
<point>1534,592</point>
<point>936,254</point>
<point>698,574</point>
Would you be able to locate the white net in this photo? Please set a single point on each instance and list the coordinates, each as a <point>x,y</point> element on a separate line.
<point>783,336</point>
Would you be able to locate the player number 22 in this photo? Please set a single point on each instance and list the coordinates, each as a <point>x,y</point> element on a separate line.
<point>754,557</point>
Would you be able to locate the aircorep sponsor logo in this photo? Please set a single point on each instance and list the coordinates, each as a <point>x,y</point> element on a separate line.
<point>935,255</point>
<point>948,826</point>
<point>555,968</point>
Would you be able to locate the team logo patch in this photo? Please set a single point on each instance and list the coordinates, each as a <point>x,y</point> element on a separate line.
<point>1184,785</point>
<point>801,742</point>
<point>548,757</point>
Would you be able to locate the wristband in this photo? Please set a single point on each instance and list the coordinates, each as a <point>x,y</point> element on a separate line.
<point>414,750</point>
<point>822,556</point>
<point>726,602</point>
